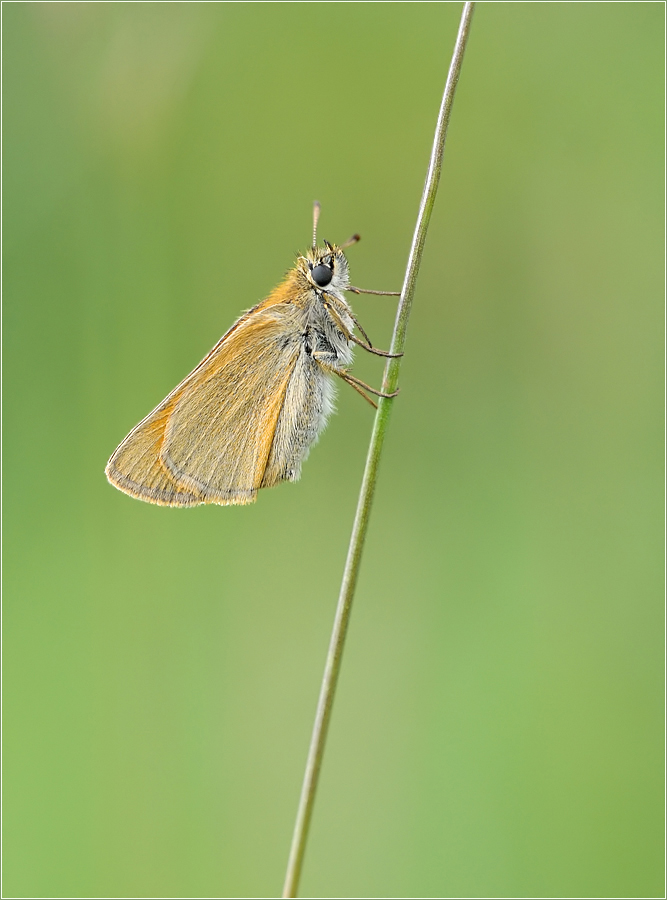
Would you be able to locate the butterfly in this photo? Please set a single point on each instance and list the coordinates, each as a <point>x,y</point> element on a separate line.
<point>246,416</point>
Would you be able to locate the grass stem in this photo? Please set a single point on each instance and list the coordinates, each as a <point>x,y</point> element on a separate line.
<point>360,527</point>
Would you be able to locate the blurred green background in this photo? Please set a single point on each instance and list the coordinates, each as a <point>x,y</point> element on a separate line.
<point>498,725</point>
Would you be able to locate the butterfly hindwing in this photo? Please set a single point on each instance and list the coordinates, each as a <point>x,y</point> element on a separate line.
<point>136,469</point>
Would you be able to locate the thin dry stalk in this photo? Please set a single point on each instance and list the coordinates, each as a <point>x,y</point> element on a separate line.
<point>360,527</point>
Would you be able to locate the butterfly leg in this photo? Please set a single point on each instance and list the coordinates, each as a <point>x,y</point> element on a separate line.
<point>367,345</point>
<point>374,350</point>
<point>358,290</point>
<point>362,384</point>
<point>359,391</point>
<point>325,360</point>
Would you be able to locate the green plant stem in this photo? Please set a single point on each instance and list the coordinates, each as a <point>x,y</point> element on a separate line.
<point>360,527</point>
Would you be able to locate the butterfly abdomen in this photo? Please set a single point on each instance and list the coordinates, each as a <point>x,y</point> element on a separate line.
<point>309,400</point>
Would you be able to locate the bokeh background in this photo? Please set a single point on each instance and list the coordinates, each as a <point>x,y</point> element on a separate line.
<point>498,725</point>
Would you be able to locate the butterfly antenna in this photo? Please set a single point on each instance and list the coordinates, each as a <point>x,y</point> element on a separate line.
<point>350,241</point>
<point>316,216</point>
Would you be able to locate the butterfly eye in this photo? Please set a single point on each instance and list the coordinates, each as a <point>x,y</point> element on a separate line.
<point>321,275</point>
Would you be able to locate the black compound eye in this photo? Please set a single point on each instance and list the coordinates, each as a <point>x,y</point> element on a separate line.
<point>321,275</point>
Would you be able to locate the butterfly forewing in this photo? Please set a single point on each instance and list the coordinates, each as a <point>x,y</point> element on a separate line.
<point>219,435</point>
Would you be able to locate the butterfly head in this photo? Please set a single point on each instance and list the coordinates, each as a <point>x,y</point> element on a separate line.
<point>325,268</point>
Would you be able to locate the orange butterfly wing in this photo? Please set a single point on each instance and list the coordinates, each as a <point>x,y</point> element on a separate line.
<point>209,441</point>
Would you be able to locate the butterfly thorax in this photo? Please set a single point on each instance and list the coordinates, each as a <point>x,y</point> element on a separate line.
<point>323,314</point>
